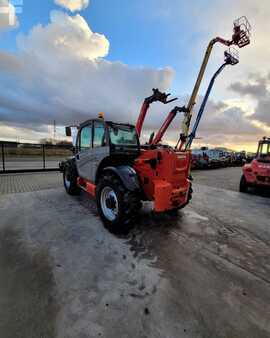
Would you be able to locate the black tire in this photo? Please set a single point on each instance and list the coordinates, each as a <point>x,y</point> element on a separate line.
<point>70,176</point>
<point>243,186</point>
<point>128,203</point>
<point>190,191</point>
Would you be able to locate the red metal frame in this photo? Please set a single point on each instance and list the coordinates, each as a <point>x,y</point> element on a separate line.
<point>157,96</point>
<point>167,123</point>
<point>164,127</point>
<point>87,186</point>
<point>163,174</point>
<point>141,117</point>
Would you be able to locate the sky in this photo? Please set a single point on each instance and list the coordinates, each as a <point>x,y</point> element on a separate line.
<point>67,60</point>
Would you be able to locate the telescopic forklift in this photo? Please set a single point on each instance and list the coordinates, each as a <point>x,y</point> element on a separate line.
<point>257,173</point>
<point>110,164</point>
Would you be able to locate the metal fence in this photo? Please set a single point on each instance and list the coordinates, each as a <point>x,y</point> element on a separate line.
<point>24,157</point>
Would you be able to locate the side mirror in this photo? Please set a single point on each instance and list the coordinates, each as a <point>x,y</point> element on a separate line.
<point>68,131</point>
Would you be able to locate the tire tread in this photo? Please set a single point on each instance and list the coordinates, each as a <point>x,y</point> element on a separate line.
<point>130,202</point>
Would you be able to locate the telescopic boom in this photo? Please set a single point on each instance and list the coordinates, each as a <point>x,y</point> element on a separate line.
<point>231,58</point>
<point>241,38</point>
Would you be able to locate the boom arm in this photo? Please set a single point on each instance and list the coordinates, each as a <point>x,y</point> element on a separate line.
<point>167,122</point>
<point>157,96</point>
<point>192,100</point>
<point>241,38</point>
<point>231,58</point>
<point>141,117</point>
<point>201,110</point>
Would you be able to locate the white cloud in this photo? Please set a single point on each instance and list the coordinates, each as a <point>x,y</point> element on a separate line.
<point>73,5</point>
<point>257,88</point>
<point>64,36</point>
<point>59,73</point>
<point>24,133</point>
<point>8,18</point>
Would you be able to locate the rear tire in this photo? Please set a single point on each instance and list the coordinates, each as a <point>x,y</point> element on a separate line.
<point>190,191</point>
<point>243,187</point>
<point>116,205</point>
<point>70,176</point>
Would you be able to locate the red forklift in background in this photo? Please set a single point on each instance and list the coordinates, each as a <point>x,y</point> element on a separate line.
<point>257,173</point>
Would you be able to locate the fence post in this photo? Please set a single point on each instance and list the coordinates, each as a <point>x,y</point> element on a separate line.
<point>3,157</point>
<point>43,153</point>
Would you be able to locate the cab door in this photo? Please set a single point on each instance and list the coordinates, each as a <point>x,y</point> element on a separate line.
<point>84,153</point>
<point>101,148</point>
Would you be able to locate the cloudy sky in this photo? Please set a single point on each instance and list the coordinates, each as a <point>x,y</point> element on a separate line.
<point>67,60</point>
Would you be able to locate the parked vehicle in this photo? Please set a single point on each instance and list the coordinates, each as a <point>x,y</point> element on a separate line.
<point>200,159</point>
<point>257,173</point>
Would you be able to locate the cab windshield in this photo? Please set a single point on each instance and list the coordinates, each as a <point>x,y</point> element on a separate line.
<point>264,151</point>
<point>123,135</point>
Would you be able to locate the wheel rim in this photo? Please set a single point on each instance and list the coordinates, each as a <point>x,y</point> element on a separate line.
<point>67,181</point>
<point>109,203</point>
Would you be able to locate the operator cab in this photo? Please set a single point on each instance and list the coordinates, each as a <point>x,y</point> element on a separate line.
<point>263,153</point>
<point>100,144</point>
<point>118,138</point>
<point>123,138</point>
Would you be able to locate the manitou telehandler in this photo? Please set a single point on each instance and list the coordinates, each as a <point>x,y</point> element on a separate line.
<point>257,173</point>
<point>110,164</point>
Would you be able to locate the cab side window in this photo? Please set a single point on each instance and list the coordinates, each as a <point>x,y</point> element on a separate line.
<point>99,134</point>
<point>86,137</point>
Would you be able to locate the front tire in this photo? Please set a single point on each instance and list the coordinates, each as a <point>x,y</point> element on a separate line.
<point>70,176</point>
<point>116,205</point>
<point>243,187</point>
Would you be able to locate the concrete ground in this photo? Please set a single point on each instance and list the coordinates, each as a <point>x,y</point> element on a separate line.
<point>225,178</point>
<point>17,183</point>
<point>203,273</point>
